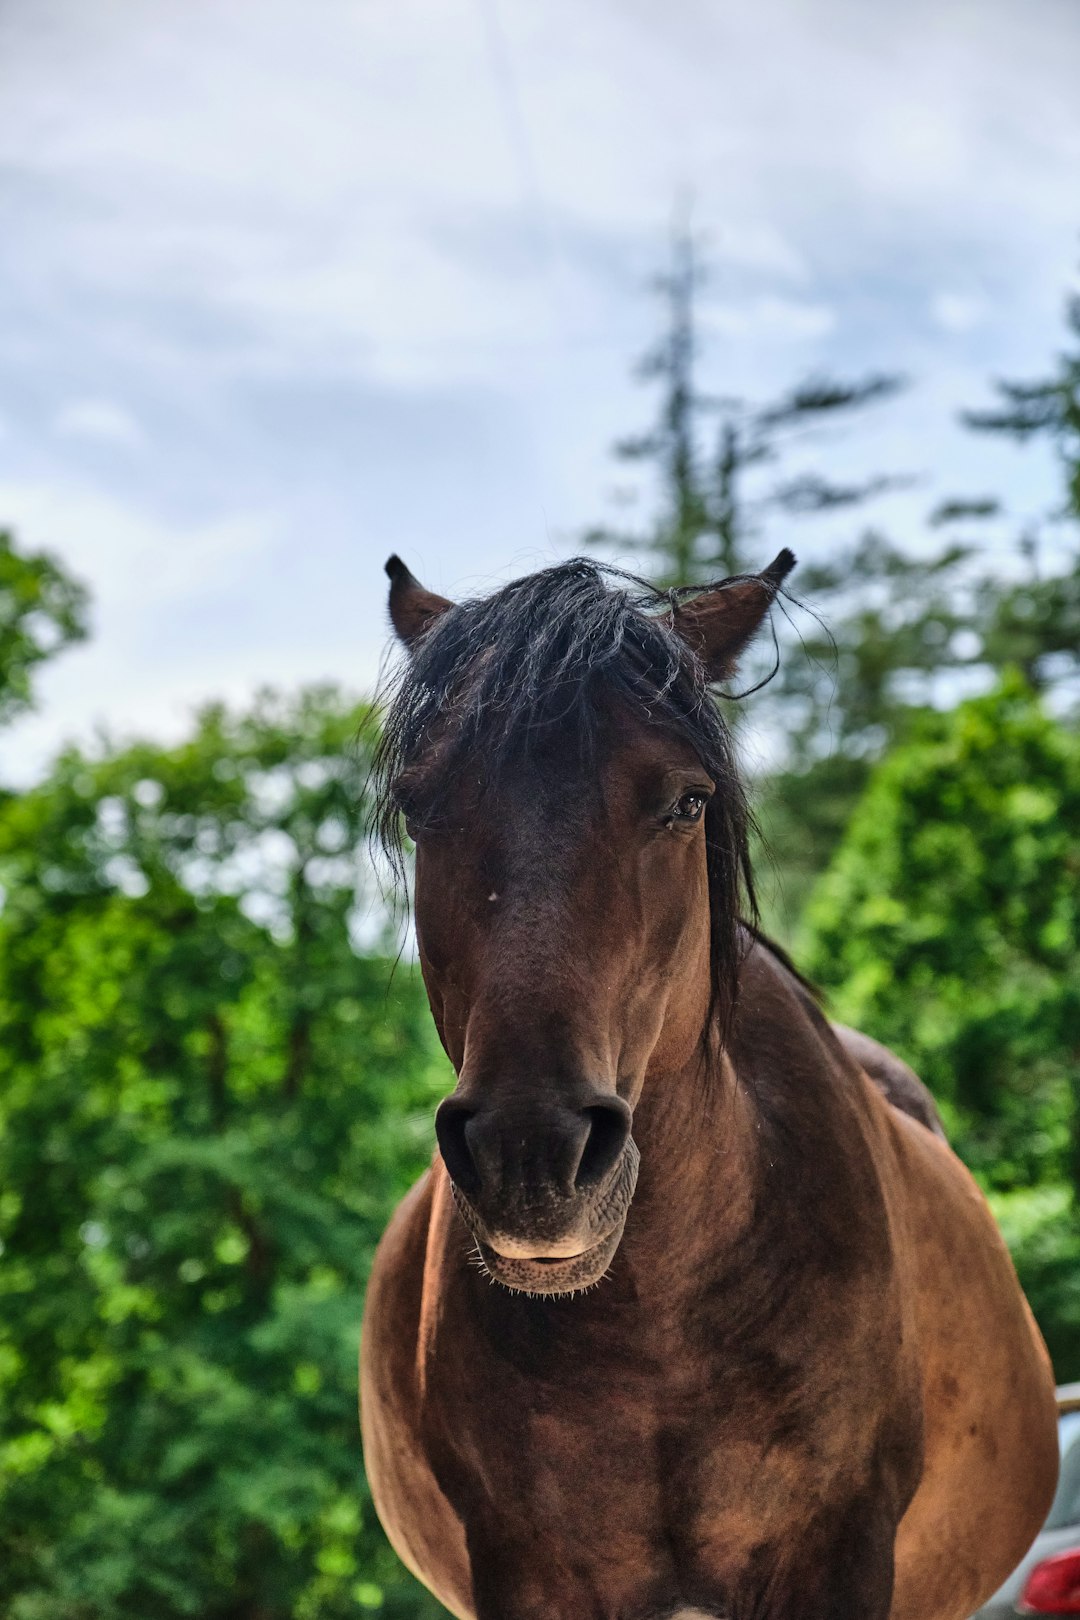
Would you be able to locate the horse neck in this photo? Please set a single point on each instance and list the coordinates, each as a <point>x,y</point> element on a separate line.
<point>698,1133</point>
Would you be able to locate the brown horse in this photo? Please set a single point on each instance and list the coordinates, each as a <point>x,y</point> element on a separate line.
<point>696,1313</point>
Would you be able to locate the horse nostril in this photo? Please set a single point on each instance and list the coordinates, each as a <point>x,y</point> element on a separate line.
<point>609,1127</point>
<point>452,1119</point>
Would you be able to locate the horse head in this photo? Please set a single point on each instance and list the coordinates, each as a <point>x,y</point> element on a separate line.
<point>569,783</point>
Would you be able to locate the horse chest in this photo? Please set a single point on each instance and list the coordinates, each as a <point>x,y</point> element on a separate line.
<point>701,1456</point>
<point>599,1500</point>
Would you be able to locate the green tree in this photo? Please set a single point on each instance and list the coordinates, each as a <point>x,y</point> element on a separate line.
<point>211,1096</point>
<point>948,926</point>
<point>881,625</point>
<point>905,632</point>
<point>712,504</point>
<point>1030,616</point>
<point>42,609</point>
<point>1046,409</point>
<point>897,628</point>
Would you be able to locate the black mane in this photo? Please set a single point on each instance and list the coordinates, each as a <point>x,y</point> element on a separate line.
<point>552,649</point>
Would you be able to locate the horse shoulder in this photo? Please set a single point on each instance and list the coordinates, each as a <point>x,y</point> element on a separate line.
<point>990,1413</point>
<point>984,1380</point>
<point>420,1523</point>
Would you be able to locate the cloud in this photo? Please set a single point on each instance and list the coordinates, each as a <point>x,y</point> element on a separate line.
<point>958,311</point>
<point>148,577</point>
<point>346,290</point>
<point>100,420</point>
<point>770,318</point>
<point>135,559</point>
<point>316,186</point>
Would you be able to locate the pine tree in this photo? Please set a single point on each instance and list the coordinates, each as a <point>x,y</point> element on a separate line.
<point>1029,618</point>
<point>1047,409</point>
<point>712,507</point>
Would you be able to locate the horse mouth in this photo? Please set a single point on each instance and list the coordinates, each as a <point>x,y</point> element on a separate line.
<point>542,1274</point>
<point>525,1268</point>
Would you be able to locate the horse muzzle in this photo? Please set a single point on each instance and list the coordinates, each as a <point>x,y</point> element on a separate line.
<point>544,1191</point>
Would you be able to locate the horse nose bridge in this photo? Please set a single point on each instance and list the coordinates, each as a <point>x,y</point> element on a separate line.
<point>534,1017</point>
<point>539,949</point>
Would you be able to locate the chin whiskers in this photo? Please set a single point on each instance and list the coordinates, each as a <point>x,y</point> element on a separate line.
<point>476,1260</point>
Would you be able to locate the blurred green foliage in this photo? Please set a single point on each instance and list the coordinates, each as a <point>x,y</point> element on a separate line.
<point>948,925</point>
<point>210,1100</point>
<point>42,610</point>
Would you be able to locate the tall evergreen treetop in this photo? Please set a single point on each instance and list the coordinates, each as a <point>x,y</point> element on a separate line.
<point>1047,409</point>
<point>703,447</point>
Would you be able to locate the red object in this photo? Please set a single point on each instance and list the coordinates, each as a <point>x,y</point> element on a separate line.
<point>1053,1587</point>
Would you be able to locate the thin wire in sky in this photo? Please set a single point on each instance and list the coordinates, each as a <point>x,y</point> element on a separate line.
<point>516,129</point>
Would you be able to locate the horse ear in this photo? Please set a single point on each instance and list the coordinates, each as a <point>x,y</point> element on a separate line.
<point>720,623</point>
<point>412,609</point>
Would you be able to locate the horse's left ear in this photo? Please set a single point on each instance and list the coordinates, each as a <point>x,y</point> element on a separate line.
<point>412,609</point>
<point>720,623</point>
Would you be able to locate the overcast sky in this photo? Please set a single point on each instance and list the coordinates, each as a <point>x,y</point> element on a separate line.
<point>286,285</point>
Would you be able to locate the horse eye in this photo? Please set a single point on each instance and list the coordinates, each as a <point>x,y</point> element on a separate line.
<point>689,807</point>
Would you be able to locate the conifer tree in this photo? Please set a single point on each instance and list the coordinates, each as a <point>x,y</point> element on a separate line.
<point>719,460</point>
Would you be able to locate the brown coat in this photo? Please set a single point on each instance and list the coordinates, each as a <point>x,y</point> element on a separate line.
<point>696,1312</point>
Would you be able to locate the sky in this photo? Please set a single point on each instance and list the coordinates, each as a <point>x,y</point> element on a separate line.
<point>288,285</point>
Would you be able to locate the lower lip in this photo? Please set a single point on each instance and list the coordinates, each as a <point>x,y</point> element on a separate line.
<point>560,1274</point>
<point>537,1259</point>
